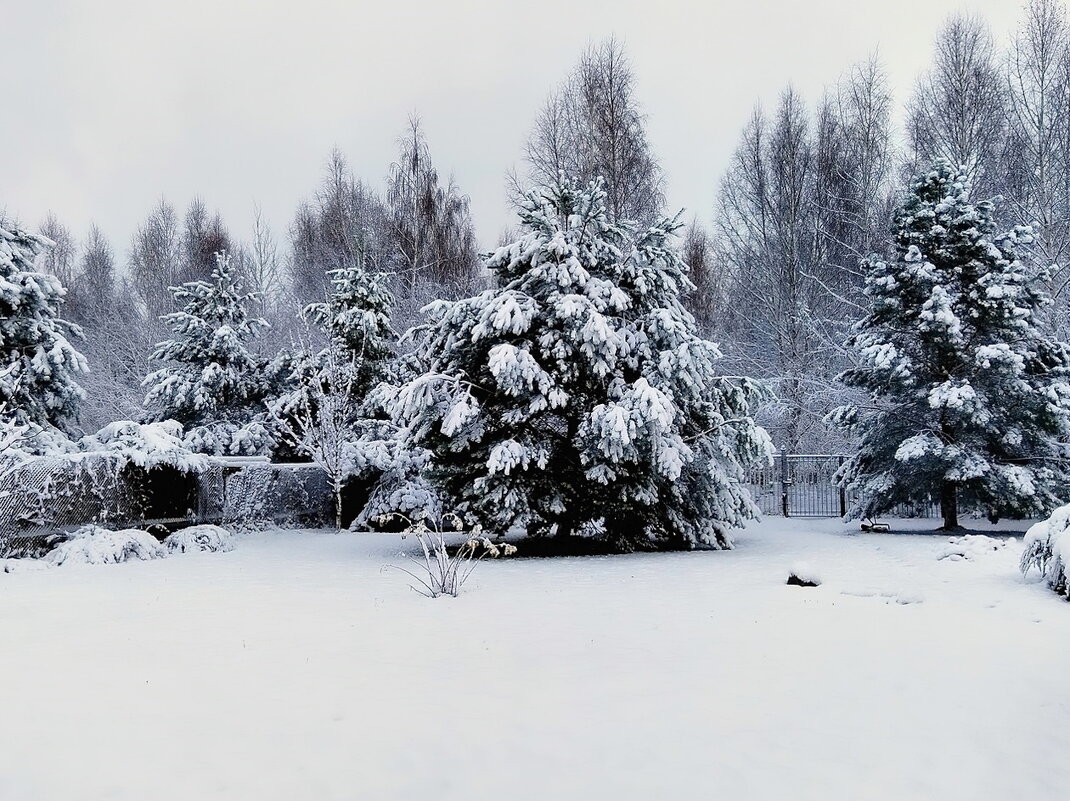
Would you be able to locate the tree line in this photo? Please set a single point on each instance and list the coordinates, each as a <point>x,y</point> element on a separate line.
<point>807,195</point>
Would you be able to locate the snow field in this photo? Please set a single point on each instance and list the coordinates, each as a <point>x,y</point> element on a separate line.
<point>294,667</point>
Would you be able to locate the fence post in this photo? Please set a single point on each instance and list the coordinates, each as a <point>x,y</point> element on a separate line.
<point>843,494</point>
<point>785,482</point>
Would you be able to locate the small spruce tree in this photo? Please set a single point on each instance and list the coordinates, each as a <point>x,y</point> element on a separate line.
<point>356,319</point>
<point>39,367</point>
<point>328,414</point>
<point>575,397</point>
<point>211,383</point>
<point>968,401</point>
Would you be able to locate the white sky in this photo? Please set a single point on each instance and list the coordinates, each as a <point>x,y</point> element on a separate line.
<point>107,105</point>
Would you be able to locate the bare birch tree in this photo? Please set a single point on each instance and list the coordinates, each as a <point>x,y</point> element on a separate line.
<point>430,223</point>
<point>321,424</point>
<point>344,222</point>
<point>958,110</point>
<point>155,262</point>
<point>1036,163</point>
<point>592,126</point>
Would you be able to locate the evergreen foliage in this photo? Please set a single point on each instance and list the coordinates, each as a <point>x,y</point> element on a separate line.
<point>39,367</point>
<point>968,399</point>
<point>211,382</point>
<point>575,397</point>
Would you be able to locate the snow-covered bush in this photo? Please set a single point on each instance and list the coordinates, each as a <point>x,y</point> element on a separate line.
<point>146,445</point>
<point>804,574</point>
<point>262,495</point>
<point>199,538</point>
<point>20,441</point>
<point>1047,548</point>
<point>93,545</point>
<point>124,473</point>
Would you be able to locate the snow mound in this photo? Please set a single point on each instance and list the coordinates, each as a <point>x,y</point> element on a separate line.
<point>1047,548</point>
<point>971,547</point>
<point>200,538</point>
<point>803,574</point>
<point>93,545</point>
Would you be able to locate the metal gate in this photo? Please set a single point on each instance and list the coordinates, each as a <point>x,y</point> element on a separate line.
<point>799,485</point>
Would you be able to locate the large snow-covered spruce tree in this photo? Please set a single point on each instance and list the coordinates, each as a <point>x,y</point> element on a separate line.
<point>211,383</point>
<point>39,367</point>
<point>968,400</point>
<point>576,398</point>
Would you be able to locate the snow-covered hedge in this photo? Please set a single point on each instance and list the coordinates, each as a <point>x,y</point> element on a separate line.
<point>20,441</point>
<point>199,538</point>
<point>51,483</point>
<point>1047,548</point>
<point>146,445</point>
<point>123,442</point>
<point>93,545</point>
<point>261,495</point>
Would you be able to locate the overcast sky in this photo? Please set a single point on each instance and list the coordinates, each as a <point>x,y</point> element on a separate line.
<point>107,105</point>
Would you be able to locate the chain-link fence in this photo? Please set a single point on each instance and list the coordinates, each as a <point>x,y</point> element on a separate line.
<point>277,494</point>
<point>43,497</point>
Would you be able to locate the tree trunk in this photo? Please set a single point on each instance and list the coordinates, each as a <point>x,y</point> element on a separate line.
<point>338,506</point>
<point>949,506</point>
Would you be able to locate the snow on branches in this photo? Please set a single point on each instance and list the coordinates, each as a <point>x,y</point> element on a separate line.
<point>211,383</point>
<point>969,400</point>
<point>577,396</point>
<point>39,367</point>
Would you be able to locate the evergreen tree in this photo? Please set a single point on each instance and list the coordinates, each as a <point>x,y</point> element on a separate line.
<point>969,401</point>
<point>356,319</point>
<point>39,367</point>
<point>328,414</point>
<point>576,397</point>
<point>212,384</point>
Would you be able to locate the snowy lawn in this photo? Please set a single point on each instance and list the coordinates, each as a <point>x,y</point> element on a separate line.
<point>294,668</point>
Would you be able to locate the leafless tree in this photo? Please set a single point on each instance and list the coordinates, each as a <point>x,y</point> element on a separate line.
<point>263,271</point>
<point>344,221</point>
<point>321,425</point>
<point>592,126</point>
<point>801,204</point>
<point>59,260</point>
<point>958,110</point>
<point>853,169</point>
<point>156,261</point>
<point>203,236</point>
<point>1036,163</point>
<point>706,300</point>
<point>95,294</point>
<point>430,224</point>
<point>117,340</point>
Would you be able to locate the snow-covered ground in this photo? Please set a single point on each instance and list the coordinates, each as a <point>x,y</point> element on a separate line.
<point>293,668</point>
